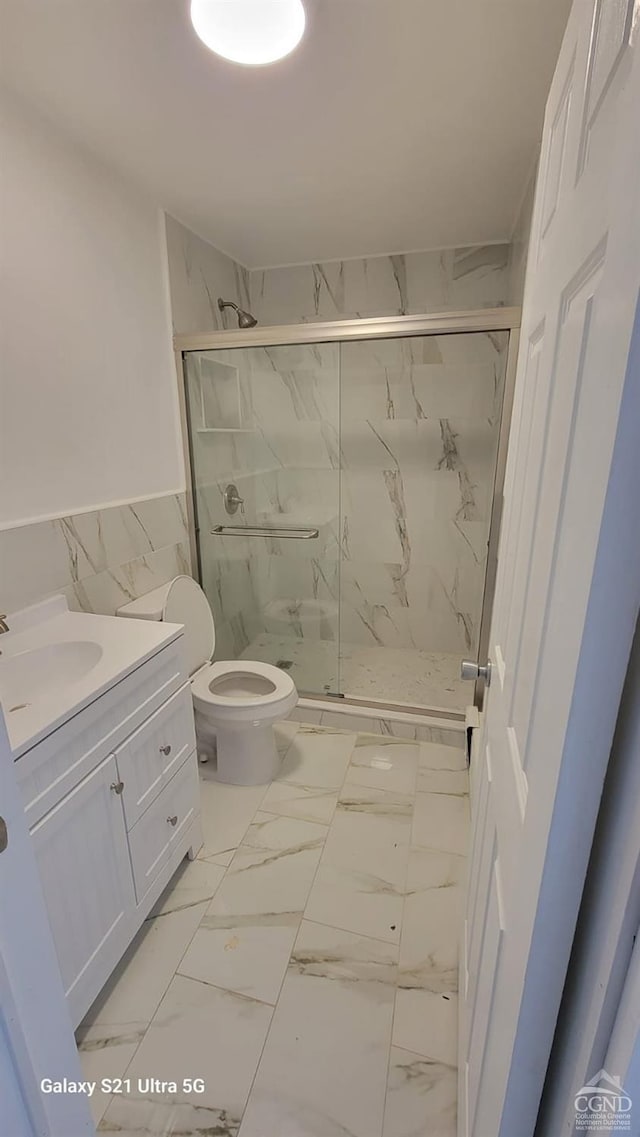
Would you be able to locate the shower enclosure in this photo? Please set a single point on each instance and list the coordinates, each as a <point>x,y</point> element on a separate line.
<point>346,497</point>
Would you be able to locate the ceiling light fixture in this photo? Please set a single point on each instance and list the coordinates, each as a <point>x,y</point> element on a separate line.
<point>249,31</point>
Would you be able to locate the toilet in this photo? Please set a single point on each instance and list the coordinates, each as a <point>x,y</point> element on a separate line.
<point>235,701</point>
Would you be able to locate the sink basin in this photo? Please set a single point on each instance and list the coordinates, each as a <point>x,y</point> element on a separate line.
<point>29,676</point>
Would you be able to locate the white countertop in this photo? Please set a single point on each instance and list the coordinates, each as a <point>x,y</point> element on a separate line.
<point>124,644</point>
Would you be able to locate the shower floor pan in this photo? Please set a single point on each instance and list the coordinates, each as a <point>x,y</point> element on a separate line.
<point>406,677</point>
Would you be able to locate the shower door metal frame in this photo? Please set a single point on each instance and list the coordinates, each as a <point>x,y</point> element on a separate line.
<point>384,327</point>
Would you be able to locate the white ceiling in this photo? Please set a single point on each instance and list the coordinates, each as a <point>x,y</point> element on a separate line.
<point>397,125</point>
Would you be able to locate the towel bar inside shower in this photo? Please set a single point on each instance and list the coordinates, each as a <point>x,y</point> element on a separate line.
<point>288,532</point>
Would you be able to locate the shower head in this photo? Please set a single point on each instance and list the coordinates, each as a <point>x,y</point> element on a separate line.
<point>245,319</point>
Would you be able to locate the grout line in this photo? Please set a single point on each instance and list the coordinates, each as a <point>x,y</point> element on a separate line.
<point>402,929</point>
<point>285,971</point>
<point>226,990</point>
<point>426,1057</point>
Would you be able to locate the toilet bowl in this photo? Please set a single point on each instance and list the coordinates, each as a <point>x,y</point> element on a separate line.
<point>236,702</point>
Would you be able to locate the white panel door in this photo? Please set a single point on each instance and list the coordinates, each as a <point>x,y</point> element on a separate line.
<point>82,853</point>
<point>569,565</point>
<point>36,1039</point>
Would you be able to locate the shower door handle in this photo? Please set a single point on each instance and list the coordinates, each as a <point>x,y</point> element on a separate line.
<point>473,671</point>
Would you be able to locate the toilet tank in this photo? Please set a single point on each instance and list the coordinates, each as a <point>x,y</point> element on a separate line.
<point>148,607</point>
<point>181,601</point>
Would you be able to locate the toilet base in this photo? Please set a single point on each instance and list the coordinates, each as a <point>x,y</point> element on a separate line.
<point>247,755</point>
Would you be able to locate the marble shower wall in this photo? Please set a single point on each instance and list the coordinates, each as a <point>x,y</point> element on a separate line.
<point>419,433</point>
<point>387,448</point>
<point>99,560</point>
<point>418,436</point>
<point>280,448</point>
<point>198,275</point>
<point>448,279</point>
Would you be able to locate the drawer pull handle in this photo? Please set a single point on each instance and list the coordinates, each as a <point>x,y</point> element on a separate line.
<point>173,820</point>
<point>165,750</point>
<point>117,787</point>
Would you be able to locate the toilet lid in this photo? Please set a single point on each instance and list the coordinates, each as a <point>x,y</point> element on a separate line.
<point>187,604</point>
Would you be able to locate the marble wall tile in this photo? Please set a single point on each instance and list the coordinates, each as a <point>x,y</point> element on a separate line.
<point>198,275</point>
<point>100,559</point>
<point>397,285</point>
<point>387,446</point>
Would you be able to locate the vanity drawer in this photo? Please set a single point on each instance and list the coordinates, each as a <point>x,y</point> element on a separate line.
<point>151,756</point>
<point>153,839</point>
<point>50,770</point>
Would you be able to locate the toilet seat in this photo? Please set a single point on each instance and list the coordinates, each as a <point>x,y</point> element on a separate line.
<point>236,702</point>
<point>230,688</point>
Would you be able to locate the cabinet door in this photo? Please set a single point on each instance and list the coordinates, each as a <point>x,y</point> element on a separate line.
<point>82,854</point>
<point>151,756</point>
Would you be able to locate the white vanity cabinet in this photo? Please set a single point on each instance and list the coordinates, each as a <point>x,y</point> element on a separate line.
<point>112,802</point>
<point>81,850</point>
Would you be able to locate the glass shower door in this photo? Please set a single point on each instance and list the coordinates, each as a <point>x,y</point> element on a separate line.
<point>420,425</point>
<point>264,437</point>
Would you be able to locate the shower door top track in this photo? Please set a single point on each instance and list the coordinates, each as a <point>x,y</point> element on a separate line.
<point>384,327</point>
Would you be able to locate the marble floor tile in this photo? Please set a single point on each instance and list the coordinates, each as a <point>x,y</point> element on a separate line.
<point>453,782</point>
<point>356,902</point>
<point>245,939</point>
<point>359,885</point>
<point>436,756</point>
<point>432,924</point>
<point>383,766</point>
<point>324,1067</point>
<point>130,998</point>
<point>202,1032</point>
<point>317,758</point>
<point>421,1097</point>
<point>426,1003</point>
<point>106,1056</point>
<point>441,822</point>
<point>428,869</point>
<point>304,802</point>
<point>427,1024</point>
<point>334,896</point>
<point>194,883</point>
<point>370,833</point>
<point>283,733</point>
<point>226,813</point>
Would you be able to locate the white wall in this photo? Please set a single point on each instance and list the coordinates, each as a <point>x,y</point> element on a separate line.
<point>88,407</point>
<point>520,242</point>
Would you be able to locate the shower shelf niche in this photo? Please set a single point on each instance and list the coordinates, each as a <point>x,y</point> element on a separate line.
<point>220,406</point>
